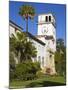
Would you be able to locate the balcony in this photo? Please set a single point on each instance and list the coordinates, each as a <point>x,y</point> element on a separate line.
<point>49,37</point>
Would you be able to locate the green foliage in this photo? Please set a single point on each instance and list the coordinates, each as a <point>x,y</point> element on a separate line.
<point>43,82</point>
<point>17,42</point>
<point>26,70</point>
<point>60,58</point>
<point>11,57</point>
<point>30,50</point>
<point>60,44</point>
<point>12,75</point>
<point>39,74</point>
<point>27,11</point>
<point>22,48</point>
<point>12,66</point>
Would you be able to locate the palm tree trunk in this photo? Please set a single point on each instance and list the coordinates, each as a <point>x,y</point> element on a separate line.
<point>19,56</point>
<point>27,25</point>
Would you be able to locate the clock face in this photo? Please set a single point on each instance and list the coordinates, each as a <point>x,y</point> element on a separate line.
<point>45,30</point>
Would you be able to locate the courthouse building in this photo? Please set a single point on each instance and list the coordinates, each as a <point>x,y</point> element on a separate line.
<point>44,41</point>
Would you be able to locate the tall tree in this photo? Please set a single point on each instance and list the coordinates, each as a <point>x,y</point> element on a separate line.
<point>60,44</point>
<point>60,57</point>
<point>27,12</point>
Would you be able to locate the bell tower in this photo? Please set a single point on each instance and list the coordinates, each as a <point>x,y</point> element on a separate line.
<point>47,34</point>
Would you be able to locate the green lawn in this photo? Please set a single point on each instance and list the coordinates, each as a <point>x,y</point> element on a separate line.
<point>42,82</point>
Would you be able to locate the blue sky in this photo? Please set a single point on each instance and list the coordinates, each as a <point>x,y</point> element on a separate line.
<point>58,10</point>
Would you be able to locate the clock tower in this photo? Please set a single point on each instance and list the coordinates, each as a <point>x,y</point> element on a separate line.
<point>47,34</point>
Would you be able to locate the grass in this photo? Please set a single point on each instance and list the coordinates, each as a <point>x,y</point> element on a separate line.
<point>41,82</point>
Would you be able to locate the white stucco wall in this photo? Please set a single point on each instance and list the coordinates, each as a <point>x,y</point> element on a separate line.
<point>40,52</point>
<point>12,30</point>
<point>42,39</point>
<point>47,28</point>
<point>41,17</point>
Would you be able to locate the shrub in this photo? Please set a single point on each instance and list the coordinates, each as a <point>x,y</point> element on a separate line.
<point>39,74</point>
<point>26,70</point>
<point>11,75</point>
<point>12,66</point>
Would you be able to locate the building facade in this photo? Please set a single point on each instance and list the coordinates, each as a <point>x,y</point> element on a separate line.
<point>39,45</point>
<point>44,41</point>
<point>47,34</point>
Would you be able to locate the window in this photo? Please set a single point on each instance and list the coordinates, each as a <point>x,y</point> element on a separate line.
<point>39,47</point>
<point>49,18</point>
<point>54,32</point>
<point>53,41</point>
<point>35,58</point>
<point>39,59</point>
<point>46,18</point>
<point>50,55</point>
<point>43,61</point>
<point>40,18</point>
<point>48,37</point>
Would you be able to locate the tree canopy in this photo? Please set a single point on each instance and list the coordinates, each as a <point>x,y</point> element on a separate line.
<point>60,57</point>
<point>22,48</point>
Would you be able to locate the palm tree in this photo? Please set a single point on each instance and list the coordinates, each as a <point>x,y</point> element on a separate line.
<point>27,12</point>
<point>17,45</point>
<point>30,50</point>
<point>21,47</point>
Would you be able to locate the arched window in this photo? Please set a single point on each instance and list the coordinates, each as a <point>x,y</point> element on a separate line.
<point>46,18</point>
<point>49,18</point>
